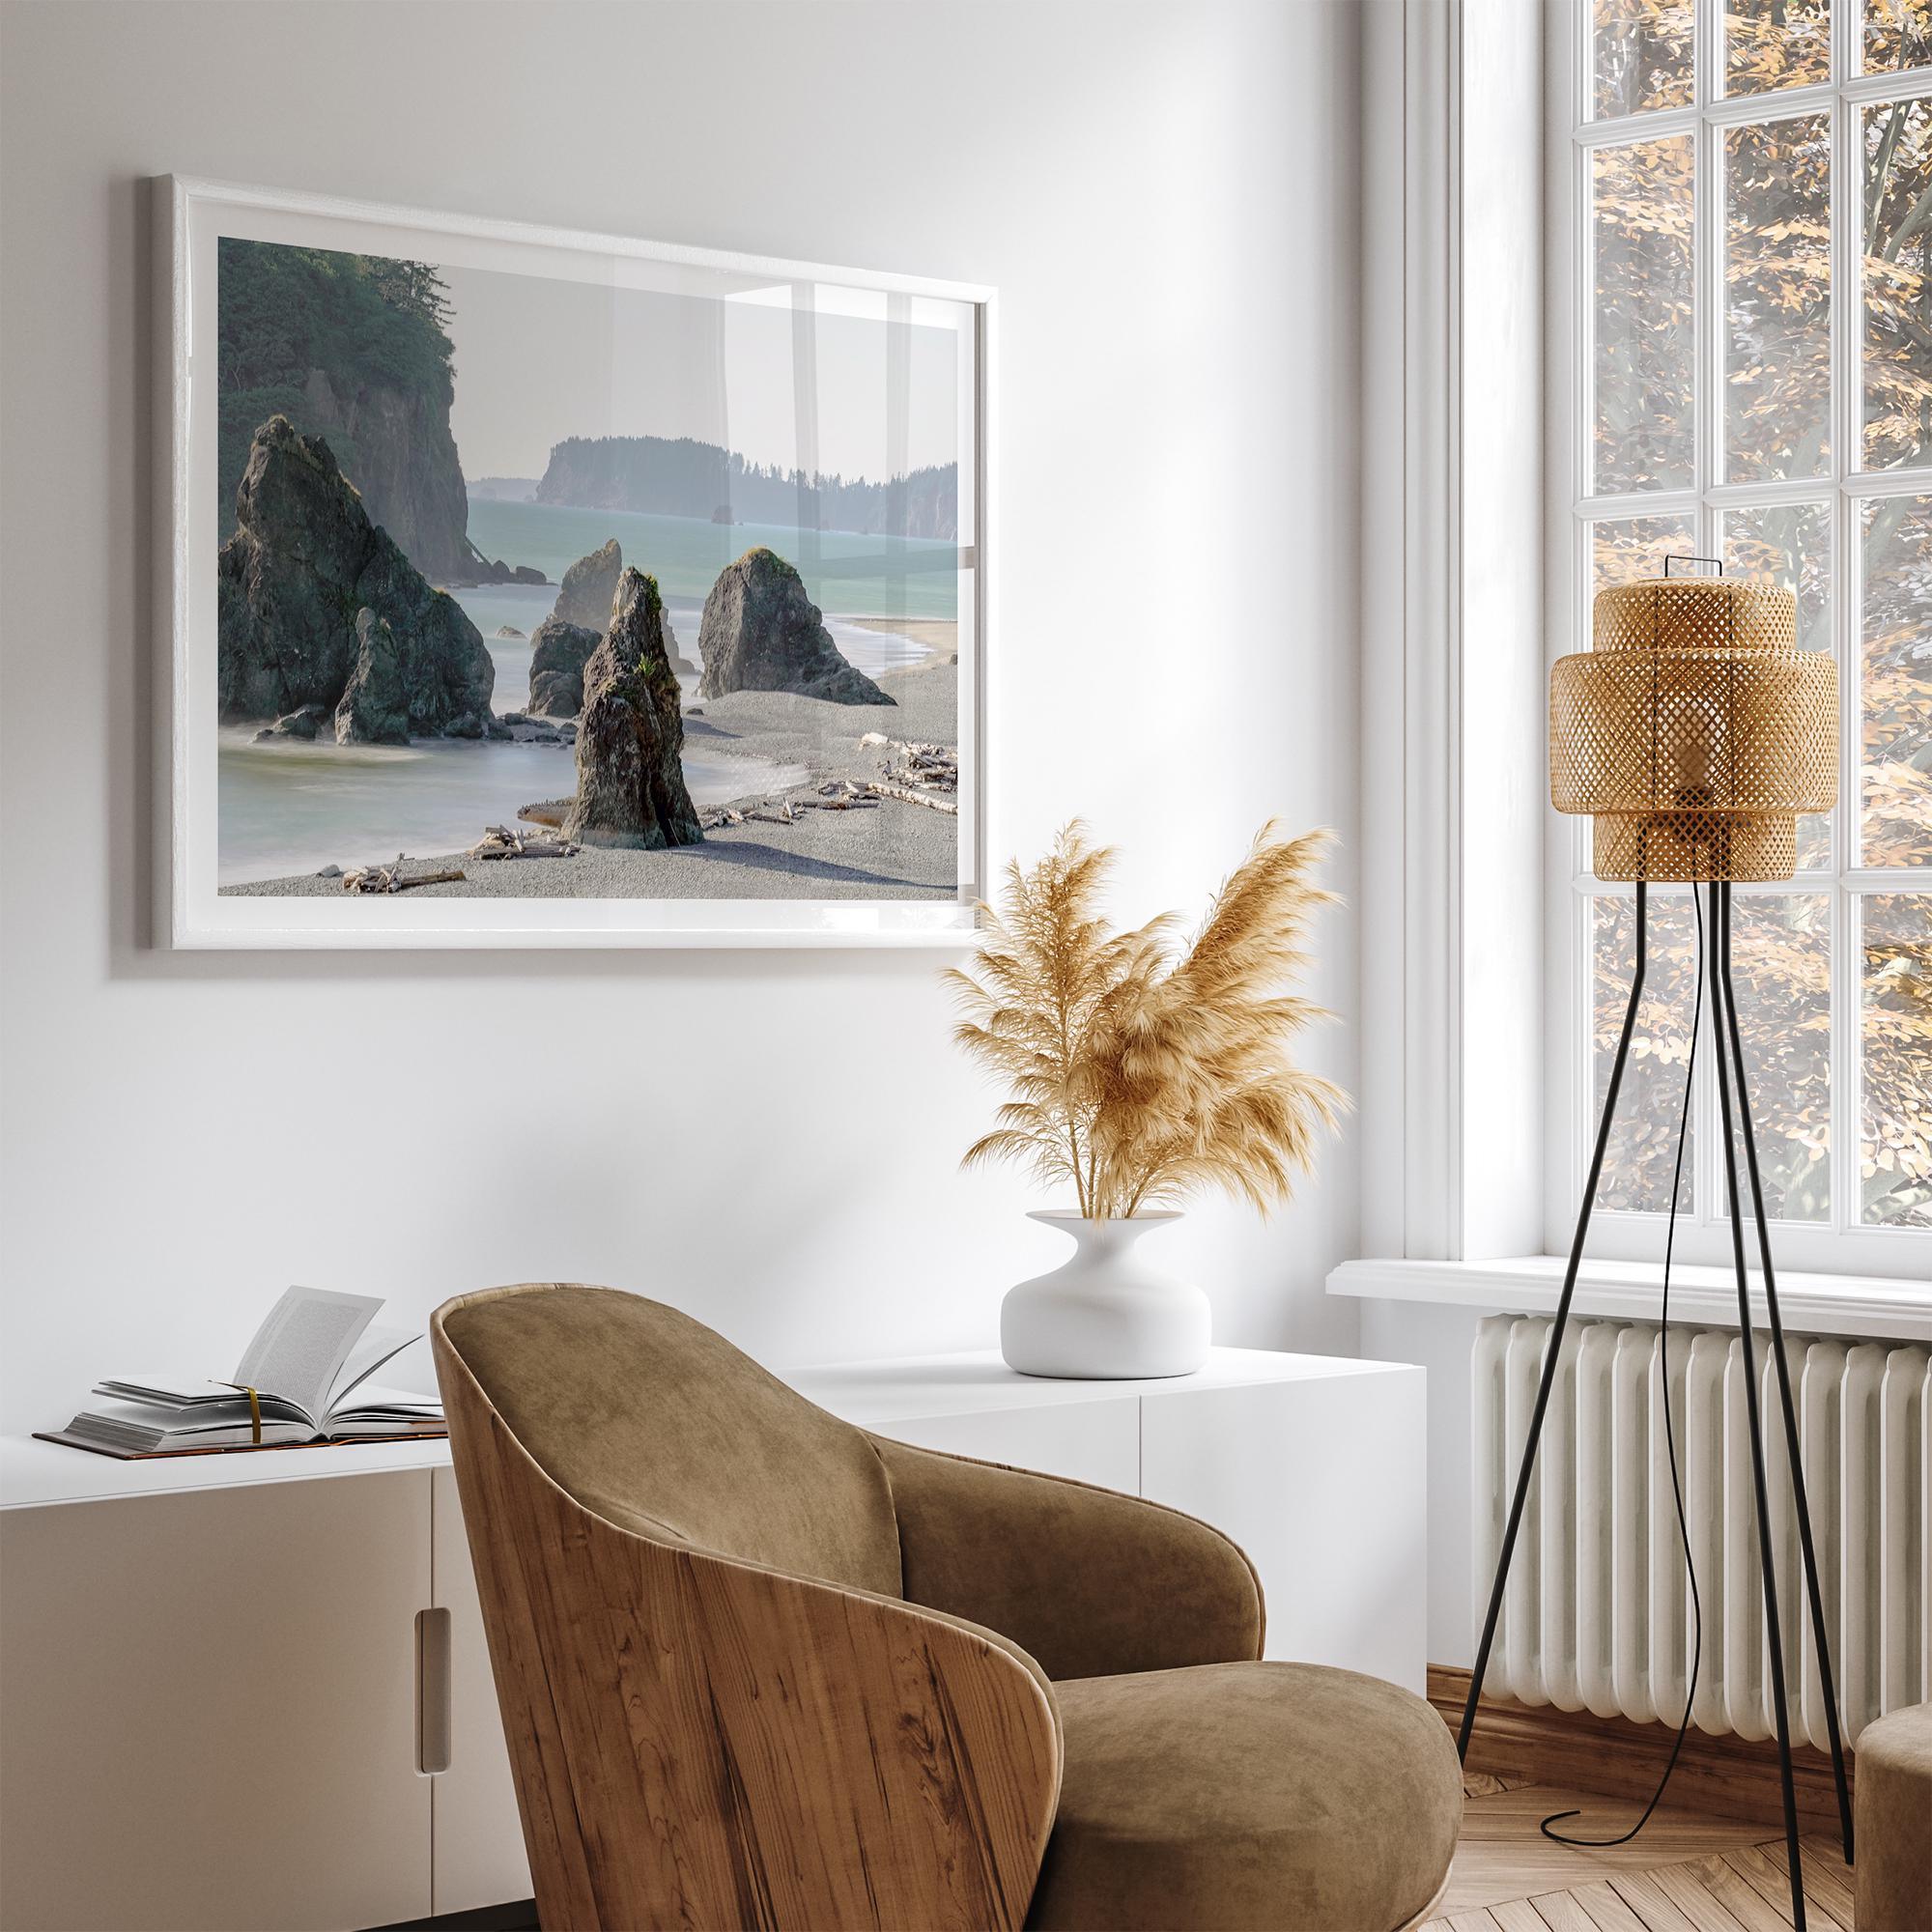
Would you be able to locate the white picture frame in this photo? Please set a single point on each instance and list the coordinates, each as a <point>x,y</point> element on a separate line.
<point>189,216</point>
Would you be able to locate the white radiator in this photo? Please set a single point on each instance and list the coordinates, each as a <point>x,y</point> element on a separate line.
<point>1596,1615</point>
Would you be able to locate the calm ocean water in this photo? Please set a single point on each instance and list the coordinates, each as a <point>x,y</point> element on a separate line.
<point>853,576</point>
<point>294,807</point>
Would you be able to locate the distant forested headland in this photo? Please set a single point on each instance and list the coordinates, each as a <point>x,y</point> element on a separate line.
<point>682,477</point>
<point>351,348</point>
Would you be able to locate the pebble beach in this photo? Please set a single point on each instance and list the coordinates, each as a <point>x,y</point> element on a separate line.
<point>891,850</point>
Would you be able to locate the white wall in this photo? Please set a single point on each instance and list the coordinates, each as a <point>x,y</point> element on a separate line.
<point>1165,197</point>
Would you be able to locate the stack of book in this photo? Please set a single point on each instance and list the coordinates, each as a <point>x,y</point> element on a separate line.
<point>305,1377</point>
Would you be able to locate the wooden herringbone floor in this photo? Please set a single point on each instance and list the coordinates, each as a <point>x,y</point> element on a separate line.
<point>1686,1872</point>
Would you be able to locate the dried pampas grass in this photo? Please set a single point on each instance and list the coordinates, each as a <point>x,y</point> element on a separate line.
<point>1141,1074</point>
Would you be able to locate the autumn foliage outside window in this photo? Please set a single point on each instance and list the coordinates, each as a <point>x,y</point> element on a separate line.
<point>1756,386</point>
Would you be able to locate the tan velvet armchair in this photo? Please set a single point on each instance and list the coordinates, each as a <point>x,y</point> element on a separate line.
<point>760,1668</point>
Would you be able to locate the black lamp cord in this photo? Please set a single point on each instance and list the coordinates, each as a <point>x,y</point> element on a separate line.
<point>1669,1433</point>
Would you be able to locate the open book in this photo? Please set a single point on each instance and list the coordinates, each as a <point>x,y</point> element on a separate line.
<point>309,1367</point>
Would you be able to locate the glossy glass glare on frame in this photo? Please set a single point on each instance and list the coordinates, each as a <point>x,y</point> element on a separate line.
<point>1895,683</point>
<point>1781,967</point>
<point>1897,35</point>
<point>1643,1140</point>
<point>1896,1045</point>
<point>1641,55</point>
<point>1897,246</point>
<point>1645,340</point>
<point>1772,44</point>
<point>1791,544</point>
<point>1777,300</point>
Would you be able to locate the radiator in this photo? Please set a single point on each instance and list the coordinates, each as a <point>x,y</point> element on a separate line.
<point>1596,1615</point>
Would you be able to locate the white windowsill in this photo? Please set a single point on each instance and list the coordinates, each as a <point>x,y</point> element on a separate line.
<point>1810,1304</point>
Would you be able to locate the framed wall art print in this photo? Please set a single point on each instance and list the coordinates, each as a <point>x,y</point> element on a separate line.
<point>527,588</point>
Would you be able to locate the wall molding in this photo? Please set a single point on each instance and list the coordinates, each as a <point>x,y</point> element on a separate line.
<point>1614,1758</point>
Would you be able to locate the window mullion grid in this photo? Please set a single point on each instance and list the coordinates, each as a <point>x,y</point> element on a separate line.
<point>1849,486</point>
<point>1582,983</point>
<point>1583,923</point>
<point>1655,123</point>
<point>1847,607</point>
<point>1847,1060</point>
<point>1779,104</point>
<point>1889,84</point>
<point>1707,254</point>
<point>1842,563</point>
<point>1814,489</point>
<point>1637,504</point>
<point>1583,66</point>
<point>1847,41</point>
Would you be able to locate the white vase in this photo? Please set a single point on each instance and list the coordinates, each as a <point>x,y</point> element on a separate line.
<point>1105,1314</point>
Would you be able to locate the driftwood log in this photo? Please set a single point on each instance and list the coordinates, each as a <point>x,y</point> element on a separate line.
<point>919,774</point>
<point>789,810</point>
<point>389,878</point>
<point>499,842</point>
<point>917,765</point>
<point>933,765</point>
<point>907,795</point>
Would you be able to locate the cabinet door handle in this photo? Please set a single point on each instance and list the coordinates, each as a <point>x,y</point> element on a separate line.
<point>432,1691</point>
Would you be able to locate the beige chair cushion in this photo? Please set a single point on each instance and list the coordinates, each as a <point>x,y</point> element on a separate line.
<point>1893,1798</point>
<point>1248,1797</point>
<point>1087,1582</point>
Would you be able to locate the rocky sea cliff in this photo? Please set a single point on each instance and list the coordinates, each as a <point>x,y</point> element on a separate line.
<point>350,348</point>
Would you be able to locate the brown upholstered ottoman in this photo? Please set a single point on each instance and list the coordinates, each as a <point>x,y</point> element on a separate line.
<point>1894,1823</point>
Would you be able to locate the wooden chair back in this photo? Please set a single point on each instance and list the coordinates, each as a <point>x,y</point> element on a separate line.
<point>700,1735</point>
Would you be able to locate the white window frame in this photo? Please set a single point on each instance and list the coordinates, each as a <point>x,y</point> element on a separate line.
<point>1845,1247</point>
<point>1454,790</point>
<point>1469,1107</point>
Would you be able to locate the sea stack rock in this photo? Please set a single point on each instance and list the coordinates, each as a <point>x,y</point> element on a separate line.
<point>763,633</point>
<point>630,742</point>
<point>375,706</point>
<point>481,569</point>
<point>588,587</point>
<point>558,652</point>
<point>303,568</point>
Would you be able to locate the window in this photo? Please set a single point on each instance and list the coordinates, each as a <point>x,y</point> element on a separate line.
<point>1752,199</point>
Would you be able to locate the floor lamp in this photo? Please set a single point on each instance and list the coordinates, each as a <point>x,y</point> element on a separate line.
<point>1694,732</point>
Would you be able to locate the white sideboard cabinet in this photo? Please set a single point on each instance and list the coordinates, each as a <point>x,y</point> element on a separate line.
<point>251,1694</point>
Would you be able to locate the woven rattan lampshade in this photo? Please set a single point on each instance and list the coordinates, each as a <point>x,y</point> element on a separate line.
<point>1694,732</point>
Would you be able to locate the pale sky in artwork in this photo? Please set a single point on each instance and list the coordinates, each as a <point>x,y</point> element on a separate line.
<point>538,359</point>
